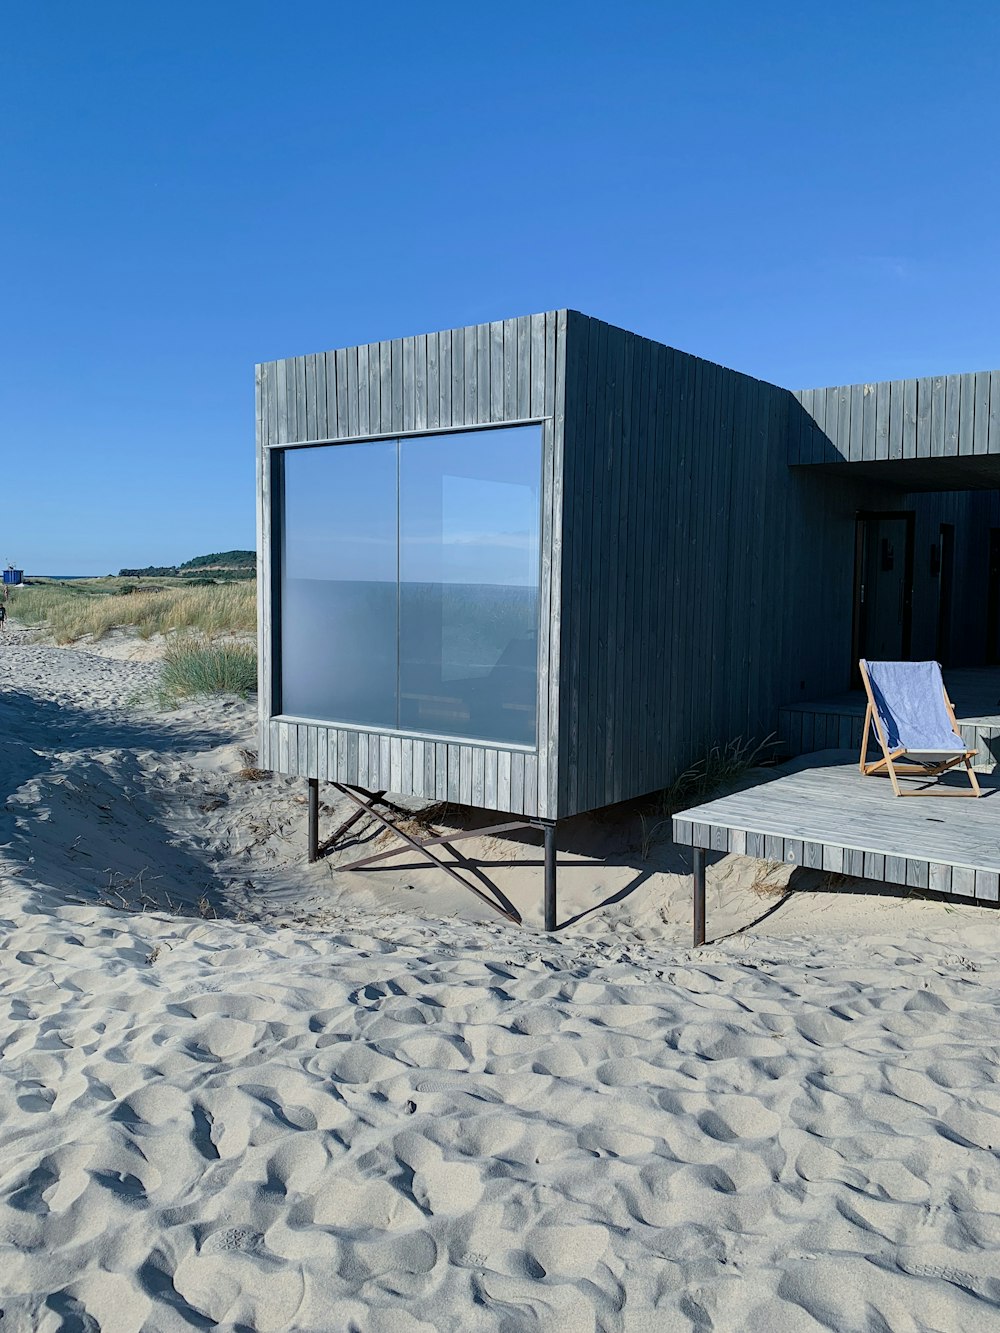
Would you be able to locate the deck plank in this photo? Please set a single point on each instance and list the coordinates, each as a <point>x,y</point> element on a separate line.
<point>818,810</point>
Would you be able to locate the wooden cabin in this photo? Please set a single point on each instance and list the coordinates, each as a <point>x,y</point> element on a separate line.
<point>542,565</point>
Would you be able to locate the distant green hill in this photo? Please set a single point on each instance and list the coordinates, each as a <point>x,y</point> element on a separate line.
<point>222,560</point>
<point>218,565</point>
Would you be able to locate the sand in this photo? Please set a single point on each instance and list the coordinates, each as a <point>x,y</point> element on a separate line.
<point>240,1092</point>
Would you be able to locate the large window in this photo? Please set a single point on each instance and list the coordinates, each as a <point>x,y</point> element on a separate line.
<point>409,583</point>
<point>339,571</point>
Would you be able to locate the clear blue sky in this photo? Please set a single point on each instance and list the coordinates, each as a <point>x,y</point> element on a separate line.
<point>806,192</point>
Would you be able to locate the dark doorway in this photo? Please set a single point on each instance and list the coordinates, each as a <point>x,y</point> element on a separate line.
<point>883,588</point>
<point>946,576</point>
<point>993,602</point>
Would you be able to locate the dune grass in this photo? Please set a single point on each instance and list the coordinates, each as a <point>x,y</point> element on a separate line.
<point>69,612</point>
<point>719,769</point>
<point>196,664</point>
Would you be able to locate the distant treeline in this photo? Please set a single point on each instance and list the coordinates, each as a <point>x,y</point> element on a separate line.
<point>220,564</point>
<point>229,559</point>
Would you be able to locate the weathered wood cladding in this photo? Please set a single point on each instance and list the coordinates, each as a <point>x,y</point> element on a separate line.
<point>912,872</point>
<point>489,777</point>
<point>962,881</point>
<point>939,416</point>
<point>805,729</point>
<point>487,374</point>
<point>721,585</point>
<point>821,815</point>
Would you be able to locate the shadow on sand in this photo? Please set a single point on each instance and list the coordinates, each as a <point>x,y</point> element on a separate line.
<point>85,783</point>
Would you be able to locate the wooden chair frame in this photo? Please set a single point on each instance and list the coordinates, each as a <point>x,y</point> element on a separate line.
<point>895,762</point>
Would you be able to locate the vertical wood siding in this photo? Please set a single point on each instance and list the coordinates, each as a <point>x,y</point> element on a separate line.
<point>478,775</point>
<point>487,374</point>
<point>939,416</point>
<point>940,432</point>
<point>704,583</point>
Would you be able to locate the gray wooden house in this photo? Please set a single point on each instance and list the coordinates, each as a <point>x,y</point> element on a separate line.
<point>539,566</point>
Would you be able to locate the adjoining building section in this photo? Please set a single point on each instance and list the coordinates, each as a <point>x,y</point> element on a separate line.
<point>540,566</point>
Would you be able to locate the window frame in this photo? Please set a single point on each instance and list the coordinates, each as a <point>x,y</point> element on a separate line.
<point>275,462</point>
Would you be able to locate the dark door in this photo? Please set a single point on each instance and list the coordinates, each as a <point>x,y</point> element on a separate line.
<point>883,587</point>
<point>993,601</point>
<point>946,576</point>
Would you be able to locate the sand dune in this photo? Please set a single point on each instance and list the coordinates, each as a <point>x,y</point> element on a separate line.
<point>240,1092</point>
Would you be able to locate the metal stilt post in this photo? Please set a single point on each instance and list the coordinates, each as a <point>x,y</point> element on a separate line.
<point>699,896</point>
<point>550,875</point>
<point>313,819</point>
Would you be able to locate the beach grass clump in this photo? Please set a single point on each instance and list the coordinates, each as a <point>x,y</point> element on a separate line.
<point>722,766</point>
<point>195,664</point>
<point>70,613</point>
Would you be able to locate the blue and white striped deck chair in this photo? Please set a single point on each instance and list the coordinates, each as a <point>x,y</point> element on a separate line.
<point>914,724</point>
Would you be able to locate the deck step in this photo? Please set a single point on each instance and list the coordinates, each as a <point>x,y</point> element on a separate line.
<point>803,728</point>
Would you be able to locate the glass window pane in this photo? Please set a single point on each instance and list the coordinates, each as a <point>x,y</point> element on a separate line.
<point>469,571</point>
<point>339,595</point>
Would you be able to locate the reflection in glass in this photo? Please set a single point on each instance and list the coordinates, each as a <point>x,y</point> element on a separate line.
<point>469,573</point>
<point>339,589</point>
<point>409,584</point>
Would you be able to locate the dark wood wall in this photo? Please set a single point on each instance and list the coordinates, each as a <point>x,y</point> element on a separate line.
<point>936,441</point>
<point>704,581</point>
<point>913,421</point>
<point>486,374</point>
<point>972,514</point>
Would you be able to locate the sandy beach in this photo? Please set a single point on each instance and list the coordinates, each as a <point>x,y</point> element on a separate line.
<point>246,1093</point>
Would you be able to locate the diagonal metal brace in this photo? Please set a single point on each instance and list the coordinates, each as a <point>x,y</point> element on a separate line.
<point>440,841</point>
<point>349,823</point>
<point>367,807</point>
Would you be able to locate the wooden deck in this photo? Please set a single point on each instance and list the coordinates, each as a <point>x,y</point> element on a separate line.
<point>837,721</point>
<point>818,811</point>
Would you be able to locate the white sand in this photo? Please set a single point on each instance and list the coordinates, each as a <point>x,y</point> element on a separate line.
<point>363,1102</point>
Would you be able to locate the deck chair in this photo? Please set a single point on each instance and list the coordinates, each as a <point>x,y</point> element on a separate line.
<point>914,724</point>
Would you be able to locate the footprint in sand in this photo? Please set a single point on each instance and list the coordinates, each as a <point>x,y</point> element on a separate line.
<point>734,1117</point>
<point>236,1282</point>
<point>33,1096</point>
<point>402,1264</point>
<point>228,1239</point>
<point>222,1038</point>
<point>567,1251</point>
<point>363,1203</point>
<point>448,1188</point>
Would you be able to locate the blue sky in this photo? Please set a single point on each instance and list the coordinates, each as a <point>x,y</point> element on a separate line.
<point>808,193</point>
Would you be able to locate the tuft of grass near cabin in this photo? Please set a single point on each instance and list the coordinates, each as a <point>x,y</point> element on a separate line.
<point>195,665</point>
<point>721,768</point>
<point>718,771</point>
<point>70,610</point>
